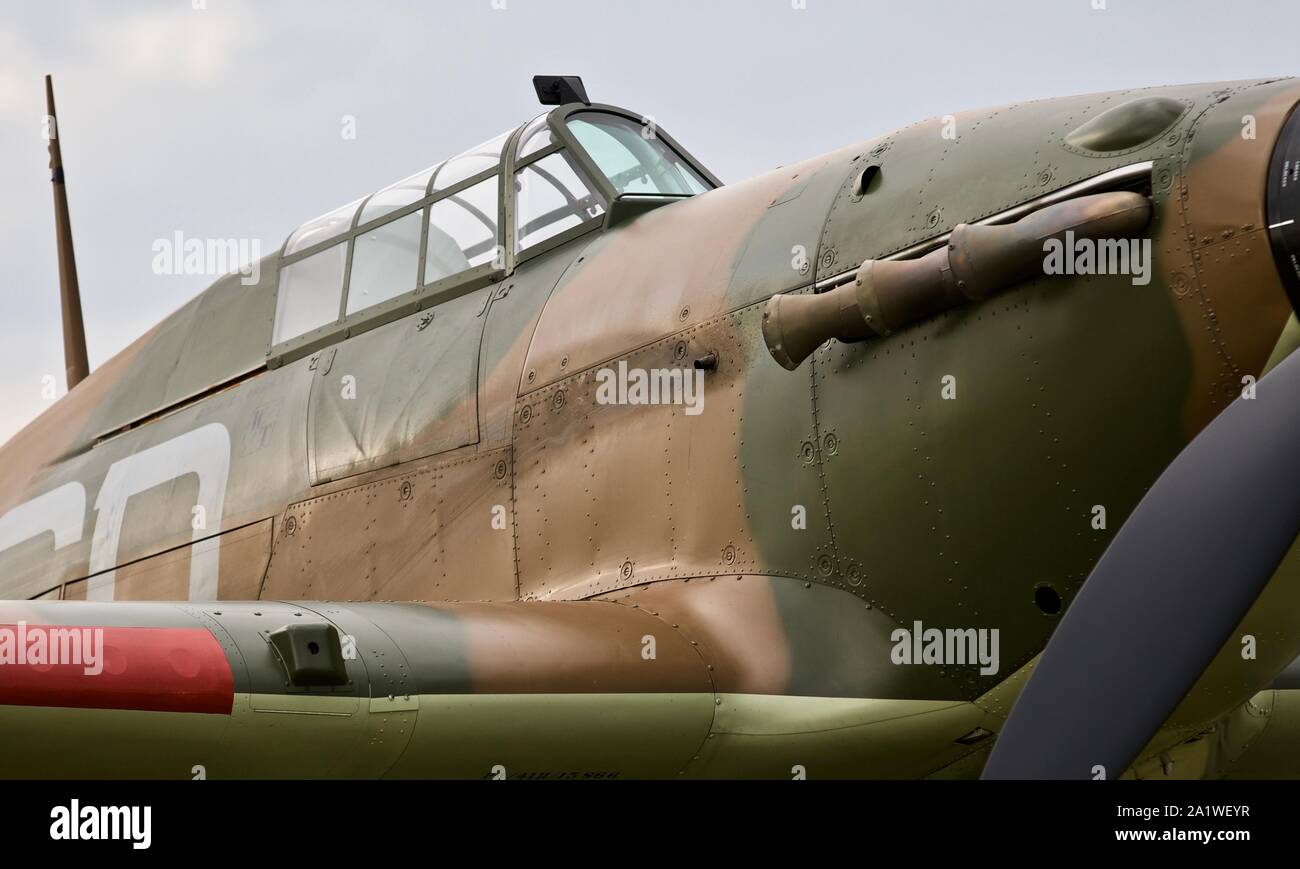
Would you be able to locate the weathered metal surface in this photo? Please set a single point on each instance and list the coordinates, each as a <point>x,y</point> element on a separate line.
<point>400,392</point>
<point>414,536</point>
<point>425,692</point>
<point>772,544</point>
<point>611,495</point>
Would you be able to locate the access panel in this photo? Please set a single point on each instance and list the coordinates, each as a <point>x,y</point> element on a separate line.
<point>402,391</point>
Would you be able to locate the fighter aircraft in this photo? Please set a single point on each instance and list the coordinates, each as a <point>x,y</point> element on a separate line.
<point>966,449</point>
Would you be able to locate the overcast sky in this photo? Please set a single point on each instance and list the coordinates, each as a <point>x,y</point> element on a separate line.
<point>228,121</point>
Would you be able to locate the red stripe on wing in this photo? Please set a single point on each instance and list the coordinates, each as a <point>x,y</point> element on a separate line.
<point>145,669</point>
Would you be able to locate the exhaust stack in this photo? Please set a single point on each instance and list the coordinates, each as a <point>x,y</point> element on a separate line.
<point>976,263</point>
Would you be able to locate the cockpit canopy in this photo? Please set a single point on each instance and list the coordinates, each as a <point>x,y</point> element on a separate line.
<point>455,226</point>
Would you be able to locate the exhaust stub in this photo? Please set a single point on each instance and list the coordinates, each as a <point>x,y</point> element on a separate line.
<point>977,262</point>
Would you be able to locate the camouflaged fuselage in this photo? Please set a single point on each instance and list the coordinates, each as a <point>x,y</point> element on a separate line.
<point>771,545</point>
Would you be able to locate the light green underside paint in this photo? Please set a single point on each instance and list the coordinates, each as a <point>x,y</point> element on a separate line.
<point>478,735</point>
<point>1286,342</point>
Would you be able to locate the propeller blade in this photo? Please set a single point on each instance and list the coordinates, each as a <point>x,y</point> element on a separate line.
<point>1165,596</point>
